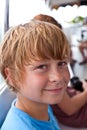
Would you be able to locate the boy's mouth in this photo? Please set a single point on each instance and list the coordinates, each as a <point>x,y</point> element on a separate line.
<point>54,90</point>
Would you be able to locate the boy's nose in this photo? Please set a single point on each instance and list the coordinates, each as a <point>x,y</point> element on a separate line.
<point>55,76</point>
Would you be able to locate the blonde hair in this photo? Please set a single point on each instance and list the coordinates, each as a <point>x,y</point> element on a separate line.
<point>32,41</point>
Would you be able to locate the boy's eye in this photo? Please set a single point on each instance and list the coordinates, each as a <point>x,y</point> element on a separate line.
<point>62,63</point>
<point>41,67</point>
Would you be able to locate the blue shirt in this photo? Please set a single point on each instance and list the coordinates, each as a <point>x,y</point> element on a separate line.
<point>19,120</point>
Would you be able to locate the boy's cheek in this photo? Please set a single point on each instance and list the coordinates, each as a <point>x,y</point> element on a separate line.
<point>67,77</point>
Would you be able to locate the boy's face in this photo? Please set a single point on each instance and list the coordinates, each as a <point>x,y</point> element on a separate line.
<point>45,81</point>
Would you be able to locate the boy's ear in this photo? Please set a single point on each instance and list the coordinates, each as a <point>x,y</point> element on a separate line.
<point>8,75</point>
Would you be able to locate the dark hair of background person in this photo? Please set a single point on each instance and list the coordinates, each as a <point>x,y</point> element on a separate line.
<point>47,18</point>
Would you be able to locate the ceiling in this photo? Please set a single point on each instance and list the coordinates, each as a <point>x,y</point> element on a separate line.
<point>56,3</point>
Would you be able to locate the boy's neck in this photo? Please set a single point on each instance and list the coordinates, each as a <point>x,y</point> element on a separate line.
<point>36,110</point>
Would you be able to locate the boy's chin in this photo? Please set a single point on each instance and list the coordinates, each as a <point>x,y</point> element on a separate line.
<point>55,102</point>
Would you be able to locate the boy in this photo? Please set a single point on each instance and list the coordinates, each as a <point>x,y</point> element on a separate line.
<point>33,61</point>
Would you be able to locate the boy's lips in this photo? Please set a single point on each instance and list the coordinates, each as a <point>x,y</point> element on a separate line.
<point>54,90</point>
